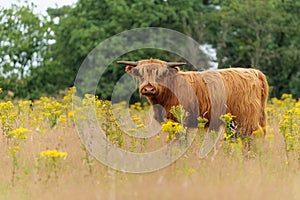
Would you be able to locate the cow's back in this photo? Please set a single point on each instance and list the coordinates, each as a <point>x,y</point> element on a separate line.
<point>246,91</point>
<point>242,92</point>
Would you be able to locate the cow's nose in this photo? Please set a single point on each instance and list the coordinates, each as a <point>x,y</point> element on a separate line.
<point>148,90</point>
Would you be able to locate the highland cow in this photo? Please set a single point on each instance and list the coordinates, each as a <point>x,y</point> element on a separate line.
<point>208,94</point>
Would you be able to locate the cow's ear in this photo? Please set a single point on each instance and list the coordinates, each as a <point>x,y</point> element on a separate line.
<point>176,68</point>
<point>175,65</point>
<point>130,65</point>
<point>129,68</point>
<point>132,70</point>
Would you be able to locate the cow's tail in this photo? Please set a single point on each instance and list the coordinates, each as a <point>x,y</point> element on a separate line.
<point>264,98</point>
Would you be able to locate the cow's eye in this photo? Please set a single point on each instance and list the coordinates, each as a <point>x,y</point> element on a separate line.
<point>161,75</point>
<point>168,72</point>
<point>165,73</point>
<point>136,73</point>
<point>172,70</point>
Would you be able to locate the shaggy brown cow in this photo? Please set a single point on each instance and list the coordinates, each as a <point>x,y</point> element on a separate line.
<point>242,92</point>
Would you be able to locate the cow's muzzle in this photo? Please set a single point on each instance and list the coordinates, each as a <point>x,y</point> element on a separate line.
<point>148,90</point>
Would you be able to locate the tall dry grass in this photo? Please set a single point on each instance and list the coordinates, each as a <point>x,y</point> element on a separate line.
<point>220,177</point>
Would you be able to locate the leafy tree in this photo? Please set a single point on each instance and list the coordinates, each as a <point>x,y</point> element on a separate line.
<point>41,56</point>
<point>24,42</point>
<point>82,28</point>
<point>258,33</point>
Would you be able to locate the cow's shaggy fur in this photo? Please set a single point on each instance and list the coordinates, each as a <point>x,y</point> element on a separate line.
<point>242,92</point>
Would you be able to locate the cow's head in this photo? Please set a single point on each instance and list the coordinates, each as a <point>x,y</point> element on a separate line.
<point>152,74</point>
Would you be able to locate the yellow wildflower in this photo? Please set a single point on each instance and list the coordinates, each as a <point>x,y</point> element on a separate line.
<point>68,98</point>
<point>132,130</point>
<point>71,114</point>
<point>141,125</point>
<point>171,126</point>
<point>53,154</point>
<point>14,149</point>
<point>136,106</point>
<point>269,136</point>
<point>167,137</point>
<point>286,96</point>
<point>18,133</point>
<point>258,132</point>
<point>202,122</point>
<point>62,119</point>
<point>226,136</point>
<point>136,119</point>
<point>295,126</point>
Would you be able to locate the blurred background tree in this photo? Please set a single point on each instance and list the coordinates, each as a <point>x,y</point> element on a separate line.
<point>25,40</point>
<point>263,34</point>
<point>41,55</point>
<point>83,27</point>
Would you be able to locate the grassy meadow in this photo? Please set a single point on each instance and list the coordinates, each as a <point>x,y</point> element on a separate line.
<point>42,156</point>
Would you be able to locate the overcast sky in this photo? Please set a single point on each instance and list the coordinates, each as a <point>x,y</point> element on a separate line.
<point>42,5</point>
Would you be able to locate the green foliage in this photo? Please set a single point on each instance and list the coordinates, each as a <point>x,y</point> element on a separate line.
<point>262,34</point>
<point>25,38</point>
<point>83,27</point>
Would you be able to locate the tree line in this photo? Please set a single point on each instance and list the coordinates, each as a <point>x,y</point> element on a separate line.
<point>41,55</point>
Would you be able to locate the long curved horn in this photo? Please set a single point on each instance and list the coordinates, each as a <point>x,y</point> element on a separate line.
<point>131,63</point>
<point>174,64</point>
